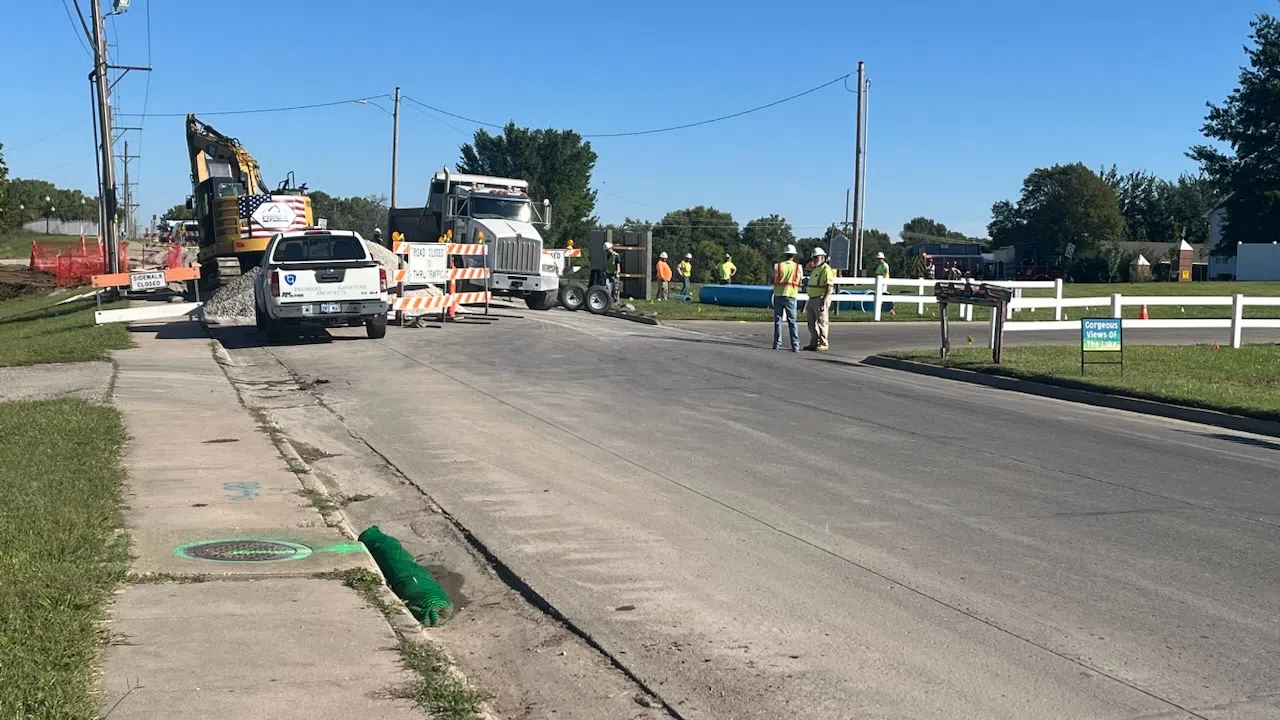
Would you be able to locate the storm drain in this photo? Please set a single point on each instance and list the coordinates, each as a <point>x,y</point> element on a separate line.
<point>244,550</point>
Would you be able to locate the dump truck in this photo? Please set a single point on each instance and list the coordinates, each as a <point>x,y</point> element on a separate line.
<point>498,212</point>
<point>236,213</point>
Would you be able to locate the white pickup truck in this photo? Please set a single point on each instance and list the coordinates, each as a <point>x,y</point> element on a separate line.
<point>320,278</point>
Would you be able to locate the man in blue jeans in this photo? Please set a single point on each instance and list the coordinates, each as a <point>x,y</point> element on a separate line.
<point>787,276</point>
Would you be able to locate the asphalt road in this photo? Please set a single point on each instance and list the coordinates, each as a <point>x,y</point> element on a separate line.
<point>761,534</point>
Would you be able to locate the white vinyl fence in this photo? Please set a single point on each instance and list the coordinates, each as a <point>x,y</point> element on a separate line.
<point>1115,303</point>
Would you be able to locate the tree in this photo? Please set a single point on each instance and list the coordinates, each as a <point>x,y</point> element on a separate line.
<point>1158,210</point>
<point>753,267</point>
<point>557,164</point>
<point>768,235</point>
<point>704,231</point>
<point>1061,205</point>
<point>179,212</point>
<point>922,230</point>
<point>361,214</point>
<point>1246,122</point>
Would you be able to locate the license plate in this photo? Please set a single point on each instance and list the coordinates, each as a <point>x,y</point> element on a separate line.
<point>330,307</point>
<point>147,280</point>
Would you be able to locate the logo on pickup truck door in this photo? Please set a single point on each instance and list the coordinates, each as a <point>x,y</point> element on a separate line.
<point>290,279</point>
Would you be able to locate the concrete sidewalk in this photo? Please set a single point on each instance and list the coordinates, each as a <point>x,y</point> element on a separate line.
<point>260,634</point>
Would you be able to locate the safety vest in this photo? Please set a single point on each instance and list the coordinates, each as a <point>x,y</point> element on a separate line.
<point>664,271</point>
<point>787,276</point>
<point>819,280</point>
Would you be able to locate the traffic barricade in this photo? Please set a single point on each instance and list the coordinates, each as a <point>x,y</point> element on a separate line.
<point>438,265</point>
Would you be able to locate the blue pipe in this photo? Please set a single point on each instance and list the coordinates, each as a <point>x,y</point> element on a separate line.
<point>761,296</point>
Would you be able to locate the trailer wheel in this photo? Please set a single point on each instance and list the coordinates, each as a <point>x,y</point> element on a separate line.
<point>544,300</point>
<point>572,296</point>
<point>597,300</point>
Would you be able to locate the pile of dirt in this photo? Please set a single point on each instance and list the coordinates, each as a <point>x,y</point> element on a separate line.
<point>18,280</point>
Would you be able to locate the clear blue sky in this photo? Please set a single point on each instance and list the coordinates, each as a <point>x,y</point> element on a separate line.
<point>966,98</point>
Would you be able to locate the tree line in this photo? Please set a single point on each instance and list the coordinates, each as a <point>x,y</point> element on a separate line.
<point>22,200</point>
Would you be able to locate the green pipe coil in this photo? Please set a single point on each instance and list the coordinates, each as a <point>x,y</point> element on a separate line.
<point>411,582</point>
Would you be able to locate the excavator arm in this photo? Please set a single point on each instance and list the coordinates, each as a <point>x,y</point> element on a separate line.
<point>205,144</point>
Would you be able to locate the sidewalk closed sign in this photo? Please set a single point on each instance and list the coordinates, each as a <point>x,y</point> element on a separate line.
<point>1101,335</point>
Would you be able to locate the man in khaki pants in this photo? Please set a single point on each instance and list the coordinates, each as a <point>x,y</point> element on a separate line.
<point>819,289</point>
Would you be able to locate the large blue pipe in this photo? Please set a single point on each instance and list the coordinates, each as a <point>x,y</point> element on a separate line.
<point>761,296</point>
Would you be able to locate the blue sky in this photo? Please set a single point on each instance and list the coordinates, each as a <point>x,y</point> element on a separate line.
<point>966,97</point>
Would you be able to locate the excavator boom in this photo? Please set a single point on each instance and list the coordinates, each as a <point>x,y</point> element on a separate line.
<point>205,144</point>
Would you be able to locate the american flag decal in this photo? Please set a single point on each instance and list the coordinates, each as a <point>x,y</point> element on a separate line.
<point>262,216</point>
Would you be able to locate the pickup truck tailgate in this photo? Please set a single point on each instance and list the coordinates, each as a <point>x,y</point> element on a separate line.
<point>301,283</point>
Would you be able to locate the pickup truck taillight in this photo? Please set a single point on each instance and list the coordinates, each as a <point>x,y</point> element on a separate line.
<point>275,283</point>
<point>382,279</point>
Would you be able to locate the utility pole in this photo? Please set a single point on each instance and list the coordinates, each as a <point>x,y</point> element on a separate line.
<point>128,206</point>
<point>395,146</point>
<point>107,191</point>
<point>859,160</point>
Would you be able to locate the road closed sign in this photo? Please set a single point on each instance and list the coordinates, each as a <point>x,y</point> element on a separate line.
<point>428,264</point>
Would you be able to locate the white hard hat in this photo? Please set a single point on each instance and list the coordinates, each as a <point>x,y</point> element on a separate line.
<point>688,256</point>
<point>607,244</point>
<point>377,230</point>
<point>879,256</point>
<point>662,255</point>
<point>819,251</point>
<point>791,250</point>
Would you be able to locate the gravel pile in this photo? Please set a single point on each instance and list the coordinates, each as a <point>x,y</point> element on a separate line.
<point>235,299</point>
<point>385,257</point>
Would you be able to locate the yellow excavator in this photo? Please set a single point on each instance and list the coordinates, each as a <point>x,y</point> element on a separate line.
<point>236,212</point>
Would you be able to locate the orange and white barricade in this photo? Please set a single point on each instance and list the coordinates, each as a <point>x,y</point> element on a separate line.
<point>433,264</point>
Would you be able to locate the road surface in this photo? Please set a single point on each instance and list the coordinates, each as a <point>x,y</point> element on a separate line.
<point>760,534</point>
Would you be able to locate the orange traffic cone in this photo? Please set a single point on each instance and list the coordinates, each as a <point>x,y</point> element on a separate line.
<point>1142,314</point>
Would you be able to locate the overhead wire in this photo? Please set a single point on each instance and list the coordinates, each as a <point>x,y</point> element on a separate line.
<point>83,45</point>
<point>253,111</point>
<point>651,131</point>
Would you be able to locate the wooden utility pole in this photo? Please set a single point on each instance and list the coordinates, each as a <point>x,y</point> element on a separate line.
<point>395,146</point>
<point>107,190</point>
<point>859,171</point>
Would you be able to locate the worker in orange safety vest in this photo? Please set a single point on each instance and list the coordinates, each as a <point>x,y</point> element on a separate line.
<point>787,277</point>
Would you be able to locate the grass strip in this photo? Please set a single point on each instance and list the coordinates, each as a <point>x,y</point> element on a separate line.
<point>1241,382</point>
<point>60,552</point>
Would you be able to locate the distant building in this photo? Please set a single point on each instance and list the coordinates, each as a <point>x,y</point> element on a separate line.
<point>1217,218</point>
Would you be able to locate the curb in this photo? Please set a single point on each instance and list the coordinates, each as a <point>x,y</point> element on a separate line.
<point>1085,397</point>
<point>406,627</point>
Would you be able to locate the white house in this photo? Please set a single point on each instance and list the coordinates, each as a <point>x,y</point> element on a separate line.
<point>1216,217</point>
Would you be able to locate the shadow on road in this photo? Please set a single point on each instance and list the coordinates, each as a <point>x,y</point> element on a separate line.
<point>1243,440</point>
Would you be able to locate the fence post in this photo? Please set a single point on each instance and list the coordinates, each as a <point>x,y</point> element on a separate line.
<point>991,331</point>
<point>1237,315</point>
<point>920,306</point>
<point>1117,305</point>
<point>879,293</point>
<point>1057,293</point>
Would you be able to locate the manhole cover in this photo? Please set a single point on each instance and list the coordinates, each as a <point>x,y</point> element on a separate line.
<point>244,550</point>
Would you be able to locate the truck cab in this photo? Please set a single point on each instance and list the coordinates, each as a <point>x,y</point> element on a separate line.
<point>497,212</point>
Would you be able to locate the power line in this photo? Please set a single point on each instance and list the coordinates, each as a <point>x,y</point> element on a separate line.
<point>75,29</point>
<point>455,128</point>
<point>654,131</point>
<point>265,110</point>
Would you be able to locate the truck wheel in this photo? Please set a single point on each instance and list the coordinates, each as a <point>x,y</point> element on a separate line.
<point>597,300</point>
<point>272,330</point>
<point>259,321</point>
<point>572,296</point>
<point>541,300</point>
<point>376,327</point>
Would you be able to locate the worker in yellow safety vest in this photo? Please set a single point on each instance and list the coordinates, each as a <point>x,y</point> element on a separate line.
<point>819,288</point>
<point>787,277</point>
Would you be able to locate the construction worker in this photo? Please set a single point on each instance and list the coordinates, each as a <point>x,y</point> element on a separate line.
<point>664,277</point>
<point>377,236</point>
<point>612,269</point>
<point>727,270</point>
<point>882,266</point>
<point>685,269</point>
<point>819,289</point>
<point>787,276</point>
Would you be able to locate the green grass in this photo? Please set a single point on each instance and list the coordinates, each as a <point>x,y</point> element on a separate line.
<point>34,330</point>
<point>18,245</point>
<point>905,308</point>
<point>60,479</point>
<point>1242,382</point>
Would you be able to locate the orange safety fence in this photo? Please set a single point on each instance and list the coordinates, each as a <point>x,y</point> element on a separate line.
<point>77,264</point>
